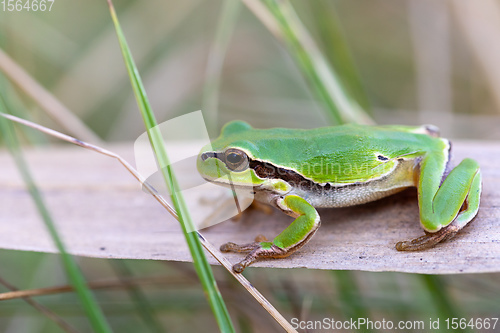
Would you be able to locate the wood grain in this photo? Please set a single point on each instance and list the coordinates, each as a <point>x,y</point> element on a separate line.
<point>101,211</point>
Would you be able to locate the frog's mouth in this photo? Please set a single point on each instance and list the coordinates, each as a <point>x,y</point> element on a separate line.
<point>232,185</point>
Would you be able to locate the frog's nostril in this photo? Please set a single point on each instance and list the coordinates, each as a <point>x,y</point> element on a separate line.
<point>204,156</point>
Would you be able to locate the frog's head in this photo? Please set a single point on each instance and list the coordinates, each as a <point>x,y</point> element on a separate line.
<point>226,161</point>
<point>236,158</point>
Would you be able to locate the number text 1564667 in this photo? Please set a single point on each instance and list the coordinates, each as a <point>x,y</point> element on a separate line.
<point>26,5</point>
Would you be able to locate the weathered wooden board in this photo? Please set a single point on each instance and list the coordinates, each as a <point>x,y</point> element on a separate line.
<point>101,211</point>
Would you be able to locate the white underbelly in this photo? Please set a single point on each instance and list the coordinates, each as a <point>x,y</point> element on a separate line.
<point>348,196</point>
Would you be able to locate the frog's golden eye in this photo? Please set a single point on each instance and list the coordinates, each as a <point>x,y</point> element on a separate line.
<point>235,159</point>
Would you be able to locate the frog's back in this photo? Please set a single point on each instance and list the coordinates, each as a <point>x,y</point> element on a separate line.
<point>342,154</point>
<point>343,137</point>
<point>335,166</point>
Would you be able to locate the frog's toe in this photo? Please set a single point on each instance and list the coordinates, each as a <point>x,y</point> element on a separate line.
<point>429,240</point>
<point>260,253</point>
<point>232,247</point>
<point>238,268</point>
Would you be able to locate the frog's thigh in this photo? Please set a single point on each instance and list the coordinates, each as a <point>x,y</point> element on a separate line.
<point>295,236</point>
<point>445,209</point>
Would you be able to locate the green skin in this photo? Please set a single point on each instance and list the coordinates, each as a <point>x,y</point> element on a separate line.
<point>298,170</point>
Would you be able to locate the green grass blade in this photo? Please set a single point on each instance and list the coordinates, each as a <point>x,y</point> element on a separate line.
<point>283,22</point>
<point>94,313</point>
<point>199,260</point>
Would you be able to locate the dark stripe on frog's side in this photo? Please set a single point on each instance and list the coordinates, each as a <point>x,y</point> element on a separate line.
<point>340,195</point>
<point>267,170</point>
<point>270,171</point>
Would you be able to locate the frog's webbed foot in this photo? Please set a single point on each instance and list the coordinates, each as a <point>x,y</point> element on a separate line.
<point>428,240</point>
<point>290,240</point>
<point>261,248</point>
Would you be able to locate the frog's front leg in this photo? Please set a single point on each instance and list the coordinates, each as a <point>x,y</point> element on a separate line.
<point>295,236</point>
<point>444,208</point>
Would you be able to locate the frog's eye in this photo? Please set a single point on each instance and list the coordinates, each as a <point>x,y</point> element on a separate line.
<point>235,159</point>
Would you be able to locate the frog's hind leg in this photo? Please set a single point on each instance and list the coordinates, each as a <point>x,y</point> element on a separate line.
<point>290,240</point>
<point>445,209</point>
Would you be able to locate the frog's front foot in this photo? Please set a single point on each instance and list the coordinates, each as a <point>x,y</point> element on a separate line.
<point>259,249</point>
<point>429,240</point>
<point>288,241</point>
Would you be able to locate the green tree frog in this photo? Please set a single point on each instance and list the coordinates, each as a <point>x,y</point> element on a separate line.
<point>297,171</point>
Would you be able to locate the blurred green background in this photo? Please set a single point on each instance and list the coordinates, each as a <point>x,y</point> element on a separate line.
<point>406,62</point>
<point>393,44</point>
